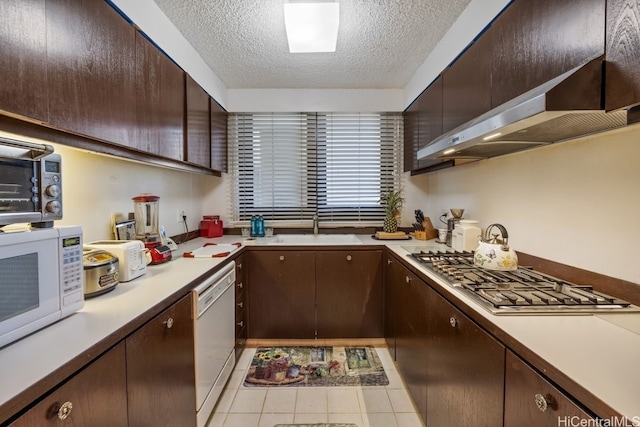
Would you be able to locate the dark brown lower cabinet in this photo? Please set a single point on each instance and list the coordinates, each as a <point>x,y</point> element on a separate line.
<point>241,305</point>
<point>530,400</point>
<point>161,369</point>
<point>392,269</point>
<point>96,396</point>
<point>349,294</point>
<point>412,335</point>
<point>465,369</point>
<point>281,294</point>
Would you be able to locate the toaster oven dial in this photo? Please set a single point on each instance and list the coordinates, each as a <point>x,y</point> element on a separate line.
<point>53,191</point>
<point>54,206</point>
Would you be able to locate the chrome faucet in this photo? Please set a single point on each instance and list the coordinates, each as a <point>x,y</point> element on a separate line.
<point>315,225</point>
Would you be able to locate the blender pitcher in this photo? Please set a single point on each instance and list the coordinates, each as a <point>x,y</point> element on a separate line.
<point>145,209</point>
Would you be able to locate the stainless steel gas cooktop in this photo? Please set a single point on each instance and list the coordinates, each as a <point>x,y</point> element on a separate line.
<point>521,291</point>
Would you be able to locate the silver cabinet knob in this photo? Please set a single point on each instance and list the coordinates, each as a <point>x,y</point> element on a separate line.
<point>241,323</point>
<point>453,322</point>
<point>348,257</point>
<point>389,261</point>
<point>241,304</point>
<point>407,279</point>
<point>239,266</point>
<point>239,285</point>
<point>281,257</point>
<point>65,410</point>
<point>541,402</point>
<point>168,322</point>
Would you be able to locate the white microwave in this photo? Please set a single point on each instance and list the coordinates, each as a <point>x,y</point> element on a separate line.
<point>41,279</point>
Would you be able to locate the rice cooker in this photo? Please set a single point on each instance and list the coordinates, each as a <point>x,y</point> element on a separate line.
<point>100,272</point>
<point>131,256</point>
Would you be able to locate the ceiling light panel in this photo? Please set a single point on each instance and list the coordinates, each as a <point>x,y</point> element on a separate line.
<point>312,27</point>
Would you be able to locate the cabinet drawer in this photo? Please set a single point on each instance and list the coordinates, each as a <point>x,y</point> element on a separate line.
<point>530,400</point>
<point>96,396</point>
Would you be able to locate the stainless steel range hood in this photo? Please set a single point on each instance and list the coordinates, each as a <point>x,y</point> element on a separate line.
<point>567,107</point>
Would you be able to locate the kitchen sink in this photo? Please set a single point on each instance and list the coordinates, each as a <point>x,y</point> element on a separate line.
<point>319,239</point>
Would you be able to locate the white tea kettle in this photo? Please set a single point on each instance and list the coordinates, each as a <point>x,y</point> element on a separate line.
<point>494,253</point>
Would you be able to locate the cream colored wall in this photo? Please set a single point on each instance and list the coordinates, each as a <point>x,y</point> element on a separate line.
<point>94,186</point>
<point>576,202</point>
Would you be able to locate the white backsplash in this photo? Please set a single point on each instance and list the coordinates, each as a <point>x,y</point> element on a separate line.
<point>575,202</point>
<point>95,185</point>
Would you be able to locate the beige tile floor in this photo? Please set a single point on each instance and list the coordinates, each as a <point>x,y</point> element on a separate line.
<point>380,406</point>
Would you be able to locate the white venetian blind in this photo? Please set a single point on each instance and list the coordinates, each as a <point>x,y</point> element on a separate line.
<point>358,159</point>
<point>291,166</point>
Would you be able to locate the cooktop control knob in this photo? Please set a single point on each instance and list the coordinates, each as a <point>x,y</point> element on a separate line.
<point>53,190</point>
<point>54,206</point>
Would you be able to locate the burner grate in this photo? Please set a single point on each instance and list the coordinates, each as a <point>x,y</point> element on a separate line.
<point>521,291</point>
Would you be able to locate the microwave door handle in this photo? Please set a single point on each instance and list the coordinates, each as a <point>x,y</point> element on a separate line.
<point>13,149</point>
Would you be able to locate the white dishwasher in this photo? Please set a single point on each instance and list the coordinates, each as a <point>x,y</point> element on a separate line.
<point>214,332</point>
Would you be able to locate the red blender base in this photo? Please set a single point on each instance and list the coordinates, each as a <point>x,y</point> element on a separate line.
<point>159,253</point>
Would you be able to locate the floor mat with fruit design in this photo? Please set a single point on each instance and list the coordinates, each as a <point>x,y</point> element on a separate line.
<point>316,366</point>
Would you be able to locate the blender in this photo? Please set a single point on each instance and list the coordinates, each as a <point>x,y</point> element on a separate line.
<point>145,211</point>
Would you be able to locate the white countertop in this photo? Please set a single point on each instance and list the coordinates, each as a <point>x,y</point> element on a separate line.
<point>601,353</point>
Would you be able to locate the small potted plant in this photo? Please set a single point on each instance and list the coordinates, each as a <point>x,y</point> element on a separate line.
<point>392,202</point>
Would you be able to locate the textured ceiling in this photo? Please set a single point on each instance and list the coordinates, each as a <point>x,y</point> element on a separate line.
<point>381,43</point>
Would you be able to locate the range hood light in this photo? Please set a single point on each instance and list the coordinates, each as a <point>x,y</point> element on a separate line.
<point>449,151</point>
<point>312,27</point>
<point>492,136</point>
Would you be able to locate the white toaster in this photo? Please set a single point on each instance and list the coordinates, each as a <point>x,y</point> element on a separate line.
<point>131,256</point>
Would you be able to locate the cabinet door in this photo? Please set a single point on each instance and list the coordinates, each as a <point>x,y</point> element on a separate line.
<point>96,396</point>
<point>393,275</point>
<point>623,49</point>
<point>465,367</point>
<point>411,336</point>
<point>349,294</point>
<point>532,401</point>
<point>241,304</point>
<point>466,84</point>
<point>534,41</point>
<point>218,137</point>
<point>161,369</point>
<point>281,294</point>
<point>198,136</point>
<point>91,63</point>
<point>159,102</point>
<point>425,124</point>
<point>23,58</point>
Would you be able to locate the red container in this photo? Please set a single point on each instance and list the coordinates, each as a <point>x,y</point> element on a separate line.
<point>211,226</point>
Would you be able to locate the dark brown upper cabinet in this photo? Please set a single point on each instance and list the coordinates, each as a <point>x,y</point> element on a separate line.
<point>198,132</point>
<point>623,50</point>
<point>91,70</point>
<point>159,102</point>
<point>219,140</point>
<point>466,84</point>
<point>535,41</point>
<point>23,58</point>
<point>422,123</point>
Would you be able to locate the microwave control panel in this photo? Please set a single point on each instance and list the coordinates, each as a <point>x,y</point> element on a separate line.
<point>71,268</point>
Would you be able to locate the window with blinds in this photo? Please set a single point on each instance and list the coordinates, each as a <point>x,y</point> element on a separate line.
<point>289,167</point>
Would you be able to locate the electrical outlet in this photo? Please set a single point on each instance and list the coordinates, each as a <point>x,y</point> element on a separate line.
<point>181,213</point>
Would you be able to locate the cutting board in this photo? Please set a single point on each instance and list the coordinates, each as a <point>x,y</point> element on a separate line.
<point>213,250</point>
<point>398,235</point>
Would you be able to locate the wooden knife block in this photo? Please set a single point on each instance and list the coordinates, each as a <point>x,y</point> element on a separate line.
<point>428,233</point>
